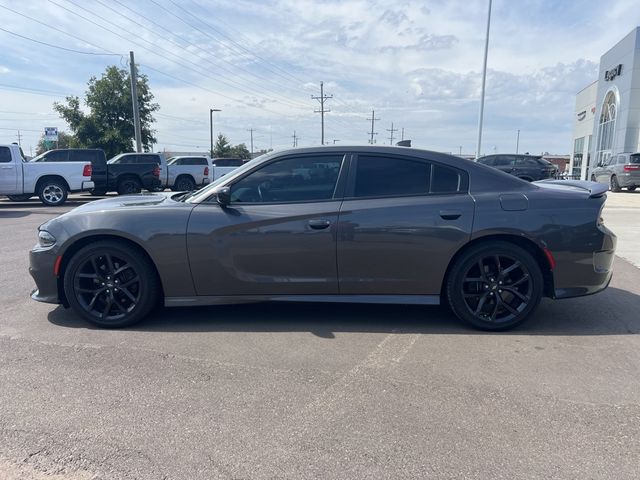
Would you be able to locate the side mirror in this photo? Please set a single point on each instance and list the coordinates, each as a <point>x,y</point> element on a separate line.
<point>223,195</point>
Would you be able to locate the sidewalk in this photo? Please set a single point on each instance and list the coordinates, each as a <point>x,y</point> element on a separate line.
<point>622,216</point>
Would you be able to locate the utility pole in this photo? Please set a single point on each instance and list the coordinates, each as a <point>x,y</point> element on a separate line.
<point>518,141</point>
<point>322,98</point>
<point>19,139</point>
<point>295,139</point>
<point>484,80</point>
<point>373,121</point>
<point>134,99</point>
<point>402,137</point>
<point>335,140</point>
<point>251,130</point>
<point>211,110</point>
<point>460,150</point>
<point>391,130</point>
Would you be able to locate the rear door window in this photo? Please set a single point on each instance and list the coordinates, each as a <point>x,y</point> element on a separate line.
<point>504,161</point>
<point>490,161</point>
<point>82,156</point>
<point>57,156</point>
<point>390,176</point>
<point>622,159</point>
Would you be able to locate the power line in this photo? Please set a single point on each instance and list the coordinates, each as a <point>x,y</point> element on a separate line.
<point>322,98</point>
<point>36,91</point>
<point>56,46</point>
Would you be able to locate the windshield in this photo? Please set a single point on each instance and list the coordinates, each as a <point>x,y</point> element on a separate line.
<point>206,191</point>
<point>37,158</point>
<point>635,158</point>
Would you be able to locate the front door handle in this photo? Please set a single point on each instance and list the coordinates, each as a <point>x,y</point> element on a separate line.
<point>319,224</point>
<point>450,214</point>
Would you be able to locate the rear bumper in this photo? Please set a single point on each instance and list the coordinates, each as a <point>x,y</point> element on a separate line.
<point>586,274</point>
<point>629,179</point>
<point>87,185</point>
<point>41,268</point>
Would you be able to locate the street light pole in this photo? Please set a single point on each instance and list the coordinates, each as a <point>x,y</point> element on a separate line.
<point>518,141</point>
<point>484,80</point>
<point>211,110</point>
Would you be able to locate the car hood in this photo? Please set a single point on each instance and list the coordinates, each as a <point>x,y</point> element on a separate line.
<point>143,200</point>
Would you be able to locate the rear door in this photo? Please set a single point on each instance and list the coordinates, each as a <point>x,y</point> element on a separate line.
<point>506,163</point>
<point>401,222</point>
<point>527,168</point>
<point>8,172</point>
<point>278,235</point>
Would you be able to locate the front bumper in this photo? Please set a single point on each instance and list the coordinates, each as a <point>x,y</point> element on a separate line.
<point>41,267</point>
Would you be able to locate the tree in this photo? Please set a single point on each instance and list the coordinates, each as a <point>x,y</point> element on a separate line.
<point>109,122</point>
<point>65,140</point>
<point>222,147</point>
<point>240,151</point>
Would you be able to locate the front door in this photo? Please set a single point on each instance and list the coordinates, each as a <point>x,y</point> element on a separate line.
<point>400,224</point>
<point>8,172</point>
<point>278,235</point>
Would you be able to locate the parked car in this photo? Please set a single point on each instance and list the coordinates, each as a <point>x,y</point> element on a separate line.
<point>222,166</point>
<point>367,225</point>
<point>526,167</point>
<point>619,171</point>
<point>129,173</point>
<point>50,181</point>
<point>185,173</point>
<point>94,155</point>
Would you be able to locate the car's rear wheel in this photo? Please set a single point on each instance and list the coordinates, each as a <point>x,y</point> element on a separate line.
<point>185,184</point>
<point>494,286</point>
<point>631,189</point>
<point>129,186</point>
<point>593,178</point>
<point>111,284</point>
<point>52,192</point>
<point>614,185</point>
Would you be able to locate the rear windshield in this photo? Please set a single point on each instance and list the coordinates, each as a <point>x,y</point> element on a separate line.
<point>635,158</point>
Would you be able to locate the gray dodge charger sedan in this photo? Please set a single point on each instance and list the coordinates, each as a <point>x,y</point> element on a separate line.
<point>333,224</point>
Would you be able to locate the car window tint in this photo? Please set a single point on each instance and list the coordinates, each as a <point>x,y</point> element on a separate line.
<point>147,159</point>
<point>445,180</point>
<point>504,161</point>
<point>487,161</point>
<point>194,161</point>
<point>5,155</point>
<point>622,159</point>
<point>57,156</point>
<point>82,155</point>
<point>635,158</point>
<point>383,176</point>
<point>296,179</point>
<point>227,162</point>
<point>526,162</point>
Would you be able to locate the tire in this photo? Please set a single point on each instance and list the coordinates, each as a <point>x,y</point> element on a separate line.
<point>526,179</point>
<point>111,284</point>
<point>614,186</point>
<point>98,193</point>
<point>52,192</point>
<point>129,186</point>
<point>593,178</point>
<point>631,189</point>
<point>185,184</point>
<point>481,300</point>
<point>19,198</point>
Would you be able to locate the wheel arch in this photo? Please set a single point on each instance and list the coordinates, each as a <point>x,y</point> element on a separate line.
<point>184,175</point>
<point>79,243</point>
<point>523,242</point>
<point>50,176</point>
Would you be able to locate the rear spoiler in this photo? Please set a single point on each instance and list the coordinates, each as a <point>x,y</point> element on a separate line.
<point>595,189</point>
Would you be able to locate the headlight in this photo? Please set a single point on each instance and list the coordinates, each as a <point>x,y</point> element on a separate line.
<point>45,239</point>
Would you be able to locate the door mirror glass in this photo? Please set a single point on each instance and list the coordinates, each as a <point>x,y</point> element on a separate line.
<point>223,196</point>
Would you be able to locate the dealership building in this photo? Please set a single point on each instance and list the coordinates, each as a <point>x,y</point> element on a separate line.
<point>607,115</point>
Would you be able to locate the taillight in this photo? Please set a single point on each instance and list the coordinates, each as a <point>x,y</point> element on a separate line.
<point>206,171</point>
<point>88,170</point>
<point>156,171</point>
<point>631,168</point>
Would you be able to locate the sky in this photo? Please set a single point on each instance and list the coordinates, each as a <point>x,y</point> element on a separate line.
<point>417,64</point>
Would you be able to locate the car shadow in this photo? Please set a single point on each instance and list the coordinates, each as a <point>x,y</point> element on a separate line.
<point>605,314</point>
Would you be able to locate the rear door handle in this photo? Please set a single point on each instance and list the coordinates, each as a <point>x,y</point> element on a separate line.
<point>450,214</point>
<point>319,224</point>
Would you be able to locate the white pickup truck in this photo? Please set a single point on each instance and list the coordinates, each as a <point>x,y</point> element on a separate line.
<point>50,181</point>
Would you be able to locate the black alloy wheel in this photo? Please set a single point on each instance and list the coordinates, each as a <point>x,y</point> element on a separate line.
<point>495,286</point>
<point>185,184</point>
<point>129,186</point>
<point>631,189</point>
<point>111,284</point>
<point>614,185</point>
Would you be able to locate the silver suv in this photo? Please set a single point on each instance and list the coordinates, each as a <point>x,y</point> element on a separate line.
<point>619,171</point>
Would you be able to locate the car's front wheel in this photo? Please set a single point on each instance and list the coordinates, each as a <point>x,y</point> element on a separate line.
<point>494,286</point>
<point>614,185</point>
<point>111,284</point>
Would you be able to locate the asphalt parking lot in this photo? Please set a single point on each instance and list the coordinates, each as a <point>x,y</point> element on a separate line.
<point>319,391</point>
